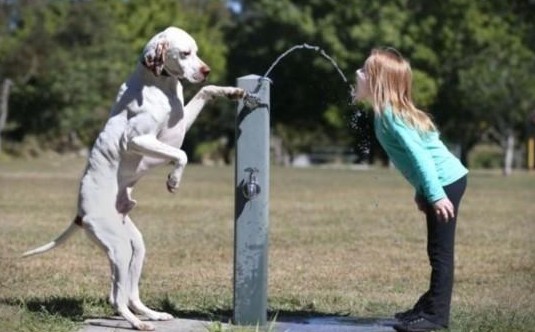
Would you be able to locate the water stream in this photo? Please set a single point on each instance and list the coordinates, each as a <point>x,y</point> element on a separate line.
<point>252,101</point>
<point>358,121</point>
<point>308,47</point>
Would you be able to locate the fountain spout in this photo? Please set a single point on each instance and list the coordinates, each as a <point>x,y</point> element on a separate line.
<point>251,100</point>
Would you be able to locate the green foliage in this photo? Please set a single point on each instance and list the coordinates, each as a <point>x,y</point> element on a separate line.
<point>138,20</point>
<point>68,59</point>
<point>498,85</point>
<point>443,40</point>
<point>425,88</point>
<point>468,39</point>
<point>486,156</point>
<point>214,151</point>
<point>471,62</point>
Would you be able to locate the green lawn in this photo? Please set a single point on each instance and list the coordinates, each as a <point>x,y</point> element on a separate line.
<point>341,242</point>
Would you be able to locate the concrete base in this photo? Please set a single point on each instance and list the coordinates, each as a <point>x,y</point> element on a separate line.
<point>117,324</point>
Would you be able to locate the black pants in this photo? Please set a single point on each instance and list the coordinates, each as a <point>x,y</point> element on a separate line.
<point>435,304</point>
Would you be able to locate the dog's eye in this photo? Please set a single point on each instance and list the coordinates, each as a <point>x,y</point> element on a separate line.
<point>185,54</point>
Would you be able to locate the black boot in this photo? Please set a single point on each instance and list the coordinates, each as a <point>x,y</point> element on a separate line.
<point>418,324</point>
<point>406,315</point>
<point>414,311</point>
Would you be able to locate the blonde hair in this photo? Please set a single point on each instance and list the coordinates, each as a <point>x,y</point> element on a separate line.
<point>389,77</point>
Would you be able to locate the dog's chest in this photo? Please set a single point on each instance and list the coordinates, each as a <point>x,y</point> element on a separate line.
<point>174,129</point>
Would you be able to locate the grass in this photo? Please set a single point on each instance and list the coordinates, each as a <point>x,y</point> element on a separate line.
<point>342,242</point>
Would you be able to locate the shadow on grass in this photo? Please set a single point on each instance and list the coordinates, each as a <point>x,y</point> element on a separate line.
<point>67,307</point>
<point>307,317</point>
<point>73,309</point>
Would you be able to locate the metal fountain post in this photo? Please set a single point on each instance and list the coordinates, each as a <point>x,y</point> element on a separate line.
<point>252,194</point>
<point>251,203</point>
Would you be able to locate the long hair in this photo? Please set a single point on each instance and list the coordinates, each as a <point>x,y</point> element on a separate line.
<point>389,77</point>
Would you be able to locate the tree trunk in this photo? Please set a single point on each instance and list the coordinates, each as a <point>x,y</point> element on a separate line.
<point>281,156</point>
<point>4,107</point>
<point>509,152</point>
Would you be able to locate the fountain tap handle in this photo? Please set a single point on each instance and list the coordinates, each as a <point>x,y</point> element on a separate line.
<point>251,188</point>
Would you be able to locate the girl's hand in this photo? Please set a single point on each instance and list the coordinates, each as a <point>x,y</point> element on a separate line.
<point>444,209</point>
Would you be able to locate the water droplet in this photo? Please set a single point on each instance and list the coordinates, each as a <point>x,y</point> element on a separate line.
<point>360,125</point>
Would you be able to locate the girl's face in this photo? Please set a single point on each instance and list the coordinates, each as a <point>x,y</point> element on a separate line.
<point>362,90</point>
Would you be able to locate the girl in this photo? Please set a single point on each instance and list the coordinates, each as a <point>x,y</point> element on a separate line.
<point>412,143</point>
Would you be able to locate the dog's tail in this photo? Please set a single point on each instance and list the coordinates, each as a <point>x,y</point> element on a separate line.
<point>73,227</point>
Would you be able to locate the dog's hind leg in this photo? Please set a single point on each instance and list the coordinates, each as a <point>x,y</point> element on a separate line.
<point>136,265</point>
<point>119,249</point>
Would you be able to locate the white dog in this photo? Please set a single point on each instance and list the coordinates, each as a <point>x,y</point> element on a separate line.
<point>146,128</point>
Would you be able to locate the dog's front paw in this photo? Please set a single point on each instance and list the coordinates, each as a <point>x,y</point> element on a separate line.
<point>234,93</point>
<point>173,181</point>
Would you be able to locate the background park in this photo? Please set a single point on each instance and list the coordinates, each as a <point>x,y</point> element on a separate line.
<point>345,235</point>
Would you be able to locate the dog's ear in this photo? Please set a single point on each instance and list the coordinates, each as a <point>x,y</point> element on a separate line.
<point>154,57</point>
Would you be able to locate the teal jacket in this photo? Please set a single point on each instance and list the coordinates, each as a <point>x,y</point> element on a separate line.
<point>422,158</point>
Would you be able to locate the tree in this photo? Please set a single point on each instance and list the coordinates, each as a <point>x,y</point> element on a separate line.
<point>309,95</point>
<point>464,37</point>
<point>4,101</point>
<point>67,59</point>
<point>498,88</point>
<point>442,40</point>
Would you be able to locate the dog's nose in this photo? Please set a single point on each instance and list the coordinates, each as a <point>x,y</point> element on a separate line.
<point>205,70</point>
